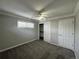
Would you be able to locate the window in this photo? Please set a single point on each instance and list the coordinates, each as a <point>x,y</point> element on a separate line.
<point>22,24</point>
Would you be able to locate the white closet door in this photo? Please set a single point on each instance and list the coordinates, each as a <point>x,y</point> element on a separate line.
<point>66,33</point>
<point>54,32</point>
<point>47,33</point>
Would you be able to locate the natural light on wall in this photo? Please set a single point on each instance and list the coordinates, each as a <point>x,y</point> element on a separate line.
<point>22,24</point>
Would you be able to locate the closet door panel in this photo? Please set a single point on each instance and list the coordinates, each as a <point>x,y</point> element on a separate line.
<point>66,33</point>
<point>47,33</point>
<point>54,32</point>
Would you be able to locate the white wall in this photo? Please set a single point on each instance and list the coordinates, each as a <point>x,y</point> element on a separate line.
<point>76,12</point>
<point>11,35</point>
<point>77,36</point>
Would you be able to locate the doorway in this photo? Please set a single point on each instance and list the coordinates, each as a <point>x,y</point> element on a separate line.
<point>41,31</point>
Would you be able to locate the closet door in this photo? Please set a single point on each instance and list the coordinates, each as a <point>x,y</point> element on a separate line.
<point>66,33</point>
<point>54,32</point>
<point>47,33</point>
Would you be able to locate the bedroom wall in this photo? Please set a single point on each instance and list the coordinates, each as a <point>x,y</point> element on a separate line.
<point>77,35</point>
<point>11,35</point>
<point>76,12</point>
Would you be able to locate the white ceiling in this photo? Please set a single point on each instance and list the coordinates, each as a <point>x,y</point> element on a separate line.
<point>33,8</point>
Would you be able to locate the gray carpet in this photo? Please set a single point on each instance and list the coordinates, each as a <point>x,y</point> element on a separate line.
<point>38,50</point>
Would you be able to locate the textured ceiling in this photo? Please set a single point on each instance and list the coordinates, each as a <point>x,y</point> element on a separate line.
<point>33,8</point>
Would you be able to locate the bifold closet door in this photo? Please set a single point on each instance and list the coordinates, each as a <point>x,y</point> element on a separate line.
<point>47,33</point>
<point>66,33</point>
<point>54,32</point>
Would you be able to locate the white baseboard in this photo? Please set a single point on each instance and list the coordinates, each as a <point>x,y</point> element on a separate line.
<point>16,45</point>
<point>60,46</point>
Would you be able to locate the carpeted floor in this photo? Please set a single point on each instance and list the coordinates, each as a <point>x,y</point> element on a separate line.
<point>38,50</point>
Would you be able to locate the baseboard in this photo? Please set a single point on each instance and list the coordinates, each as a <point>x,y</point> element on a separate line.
<point>16,46</point>
<point>61,46</point>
